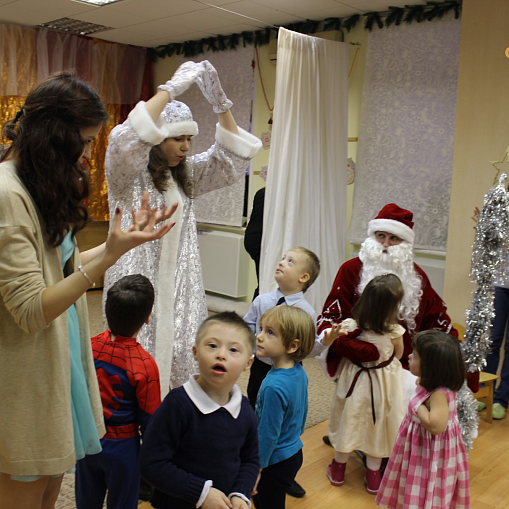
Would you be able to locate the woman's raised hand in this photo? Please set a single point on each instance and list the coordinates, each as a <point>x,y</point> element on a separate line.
<point>183,78</point>
<point>142,215</point>
<point>212,90</point>
<point>142,230</point>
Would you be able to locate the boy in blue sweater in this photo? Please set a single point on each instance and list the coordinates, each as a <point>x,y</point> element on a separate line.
<point>201,446</point>
<point>287,335</point>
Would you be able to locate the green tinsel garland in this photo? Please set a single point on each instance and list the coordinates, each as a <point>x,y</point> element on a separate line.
<point>394,16</point>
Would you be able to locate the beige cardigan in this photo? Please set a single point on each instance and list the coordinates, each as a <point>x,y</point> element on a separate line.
<point>36,432</point>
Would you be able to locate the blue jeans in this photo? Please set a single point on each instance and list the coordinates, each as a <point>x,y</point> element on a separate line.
<point>498,332</point>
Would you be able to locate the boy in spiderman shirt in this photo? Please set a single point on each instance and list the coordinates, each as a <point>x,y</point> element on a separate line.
<point>130,392</point>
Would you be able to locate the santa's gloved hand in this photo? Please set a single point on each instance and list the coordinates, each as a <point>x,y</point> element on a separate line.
<point>183,78</point>
<point>211,88</point>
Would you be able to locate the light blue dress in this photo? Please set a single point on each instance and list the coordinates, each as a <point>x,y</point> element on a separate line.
<point>86,439</point>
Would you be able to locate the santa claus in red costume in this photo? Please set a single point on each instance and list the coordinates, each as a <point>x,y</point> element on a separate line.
<point>388,248</point>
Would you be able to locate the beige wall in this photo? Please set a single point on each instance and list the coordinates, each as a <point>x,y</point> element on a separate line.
<point>481,136</point>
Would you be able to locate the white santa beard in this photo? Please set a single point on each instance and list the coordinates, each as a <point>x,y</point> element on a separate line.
<point>399,260</point>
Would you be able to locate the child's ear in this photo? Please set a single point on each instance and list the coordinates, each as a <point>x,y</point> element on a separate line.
<point>294,346</point>
<point>147,321</point>
<point>194,353</point>
<point>304,278</point>
<point>249,363</point>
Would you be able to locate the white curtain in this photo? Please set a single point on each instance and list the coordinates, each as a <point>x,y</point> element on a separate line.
<point>406,133</point>
<point>223,206</point>
<point>305,201</point>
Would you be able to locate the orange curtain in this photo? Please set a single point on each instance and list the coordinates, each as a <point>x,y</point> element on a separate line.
<point>97,201</point>
<point>119,72</point>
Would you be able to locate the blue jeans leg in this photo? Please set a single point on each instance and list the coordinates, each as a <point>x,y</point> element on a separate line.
<point>498,332</point>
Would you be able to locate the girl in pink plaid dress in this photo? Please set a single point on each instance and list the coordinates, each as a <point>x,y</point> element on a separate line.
<point>428,467</point>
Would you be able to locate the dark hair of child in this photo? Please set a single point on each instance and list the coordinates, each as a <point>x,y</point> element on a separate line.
<point>47,144</point>
<point>233,320</point>
<point>377,309</point>
<point>129,303</point>
<point>312,265</point>
<point>292,323</point>
<point>441,360</point>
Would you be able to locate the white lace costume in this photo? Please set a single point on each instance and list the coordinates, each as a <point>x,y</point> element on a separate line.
<point>172,263</point>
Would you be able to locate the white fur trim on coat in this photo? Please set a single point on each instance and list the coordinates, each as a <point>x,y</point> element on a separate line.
<point>243,144</point>
<point>391,226</point>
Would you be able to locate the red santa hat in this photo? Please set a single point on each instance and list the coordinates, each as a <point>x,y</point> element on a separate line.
<point>393,219</point>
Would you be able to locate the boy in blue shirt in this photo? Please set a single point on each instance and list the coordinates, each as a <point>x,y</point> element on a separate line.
<point>295,273</point>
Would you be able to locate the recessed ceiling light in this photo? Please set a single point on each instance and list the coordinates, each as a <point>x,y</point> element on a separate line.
<point>98,2</point>
<point>74,26</point>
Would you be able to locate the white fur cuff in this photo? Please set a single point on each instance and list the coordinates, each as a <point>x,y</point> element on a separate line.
<point>244,144</point>
<point>145,127</point>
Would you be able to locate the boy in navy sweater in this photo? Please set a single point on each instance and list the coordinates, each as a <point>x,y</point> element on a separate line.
<point>201,446</point>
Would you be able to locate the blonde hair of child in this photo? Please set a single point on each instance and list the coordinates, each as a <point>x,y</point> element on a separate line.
<point>292,323</point>
<point>377,309</point>
<point>312,265</point>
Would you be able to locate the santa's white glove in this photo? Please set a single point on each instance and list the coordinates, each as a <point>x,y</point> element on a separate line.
<point>211,88</point>
<point>183,78</point>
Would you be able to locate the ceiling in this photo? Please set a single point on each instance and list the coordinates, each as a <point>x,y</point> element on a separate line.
<point>152,23</point>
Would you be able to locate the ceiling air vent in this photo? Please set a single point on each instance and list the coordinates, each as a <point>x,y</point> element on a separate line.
<point>74,26</point>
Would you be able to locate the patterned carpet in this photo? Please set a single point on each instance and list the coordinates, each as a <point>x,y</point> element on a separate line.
<point>320,393</point>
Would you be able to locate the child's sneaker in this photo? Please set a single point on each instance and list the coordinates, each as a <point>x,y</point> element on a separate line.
<point>481,405</point>
<point>498,411</point>
<point>373,480</point>
<point>336,473</point>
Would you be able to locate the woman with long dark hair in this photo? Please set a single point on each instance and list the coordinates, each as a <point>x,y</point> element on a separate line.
<point>50,408</point>
<point>150,151</point>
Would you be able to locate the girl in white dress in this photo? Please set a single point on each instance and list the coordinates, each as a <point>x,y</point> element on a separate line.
<point>368,406</point>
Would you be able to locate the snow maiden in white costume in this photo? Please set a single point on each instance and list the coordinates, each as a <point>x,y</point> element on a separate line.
<point>173,263</point>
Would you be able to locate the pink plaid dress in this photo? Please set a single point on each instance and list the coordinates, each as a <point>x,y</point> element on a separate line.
<point>426,471</point>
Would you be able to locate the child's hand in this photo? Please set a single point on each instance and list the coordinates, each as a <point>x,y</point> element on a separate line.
<point>238,503</point>
<point>332,334</point>
<point>475,217</point>
<point>216,499</point>
<point>255,489</point>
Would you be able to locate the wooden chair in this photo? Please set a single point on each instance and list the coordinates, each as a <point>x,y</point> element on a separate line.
<point>485,393</point>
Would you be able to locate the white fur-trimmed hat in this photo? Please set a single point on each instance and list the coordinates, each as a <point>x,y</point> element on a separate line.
<point>178,120</point>
<point>393,219</point>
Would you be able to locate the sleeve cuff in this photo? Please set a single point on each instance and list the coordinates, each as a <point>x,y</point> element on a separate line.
<point>240,495</point>
<point>204,493</point>
<point>149,131</point>
<point>243,144</point>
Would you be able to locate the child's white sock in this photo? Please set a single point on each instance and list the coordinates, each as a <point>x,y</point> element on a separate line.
<point>373,463</point>
<point>341,457</point>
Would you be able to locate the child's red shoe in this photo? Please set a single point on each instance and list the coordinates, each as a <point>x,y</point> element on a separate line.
<point>373,480</point>
<point>336,473</point>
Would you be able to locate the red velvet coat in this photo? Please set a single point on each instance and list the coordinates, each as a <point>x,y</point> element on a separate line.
<point>343,295</point>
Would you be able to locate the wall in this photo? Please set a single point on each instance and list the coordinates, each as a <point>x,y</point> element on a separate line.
<point>481,136</point>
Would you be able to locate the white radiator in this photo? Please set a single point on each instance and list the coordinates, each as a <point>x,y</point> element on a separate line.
<point>225,262</point>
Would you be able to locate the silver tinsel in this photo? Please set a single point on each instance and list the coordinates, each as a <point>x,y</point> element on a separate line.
<point>467,415</point>
<point>489,263</point>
